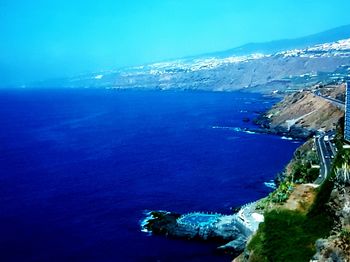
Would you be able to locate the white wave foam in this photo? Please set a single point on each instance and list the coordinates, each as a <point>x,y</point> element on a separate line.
<point>221,127</point>
<point>98,77</point>
<point>270,184</point>
<point>235,129</point>
<point>145,221</point>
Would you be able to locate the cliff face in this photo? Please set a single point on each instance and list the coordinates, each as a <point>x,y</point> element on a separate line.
<point>286,220</point>
<point>300,115</point>
<point>305,110</point>
<point>337,246</point>
<point>285,234</point>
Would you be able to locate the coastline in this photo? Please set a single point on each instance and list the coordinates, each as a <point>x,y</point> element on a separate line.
<point>248,216</point>
<point>245,219</point>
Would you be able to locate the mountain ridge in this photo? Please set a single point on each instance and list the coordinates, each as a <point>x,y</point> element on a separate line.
<point>277,71</point>
<point>331,35</point>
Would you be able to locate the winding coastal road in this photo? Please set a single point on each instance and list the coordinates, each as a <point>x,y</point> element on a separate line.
<point>326,152</point>
<point>325,148</point>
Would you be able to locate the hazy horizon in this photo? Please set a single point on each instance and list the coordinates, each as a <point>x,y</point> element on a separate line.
<point>57,39</point>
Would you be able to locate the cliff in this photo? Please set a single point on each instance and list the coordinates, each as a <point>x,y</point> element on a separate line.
<point>312,222</point>
<point>337,246</point>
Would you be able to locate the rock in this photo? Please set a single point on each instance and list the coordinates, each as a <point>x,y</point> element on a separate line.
<point>160,222</point>
<point>337,246</point>
<point>299,116</point>
<point>332,249</point>
<point>234,247</point>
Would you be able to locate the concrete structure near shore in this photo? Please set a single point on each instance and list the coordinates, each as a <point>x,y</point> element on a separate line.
<point>347,113</point>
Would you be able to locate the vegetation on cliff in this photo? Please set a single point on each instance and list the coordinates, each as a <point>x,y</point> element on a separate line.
<point>303,168</point>
<point>290,234</point>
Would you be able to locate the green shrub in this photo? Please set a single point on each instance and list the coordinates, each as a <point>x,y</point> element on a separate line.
<point>288,236</point>
<point>345,235</point>
<point>282,193</point>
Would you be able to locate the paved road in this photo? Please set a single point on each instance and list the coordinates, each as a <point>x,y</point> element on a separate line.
<point>335,102</point>
<point>325,149</point>
<point>326,152</point>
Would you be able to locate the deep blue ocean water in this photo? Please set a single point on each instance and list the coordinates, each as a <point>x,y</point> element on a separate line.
<point>78,169</point>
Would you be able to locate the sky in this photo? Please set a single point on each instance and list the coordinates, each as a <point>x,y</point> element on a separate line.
<point>42,39</point>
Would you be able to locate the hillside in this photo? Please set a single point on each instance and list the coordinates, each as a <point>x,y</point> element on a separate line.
<point>300,115</point>
<point>312,223</point>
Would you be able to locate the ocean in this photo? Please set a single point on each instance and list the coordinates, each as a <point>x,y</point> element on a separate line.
<point>80,167</point>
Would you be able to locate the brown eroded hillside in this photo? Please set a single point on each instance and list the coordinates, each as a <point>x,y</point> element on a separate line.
<point>300,114</point>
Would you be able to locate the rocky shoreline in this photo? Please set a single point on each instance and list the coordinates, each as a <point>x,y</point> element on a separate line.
<point>233,231</point>
<point>294,132</point>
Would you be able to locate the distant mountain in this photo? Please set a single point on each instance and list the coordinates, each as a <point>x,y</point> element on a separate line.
<point>277,65</point>
<point>272,47</point>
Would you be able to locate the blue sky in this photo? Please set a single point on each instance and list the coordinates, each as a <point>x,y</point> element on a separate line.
<point>42,39</point>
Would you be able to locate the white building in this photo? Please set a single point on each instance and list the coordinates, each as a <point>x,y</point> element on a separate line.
<point>347,113</point>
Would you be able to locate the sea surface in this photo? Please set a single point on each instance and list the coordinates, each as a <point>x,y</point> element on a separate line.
<point>80,167</point>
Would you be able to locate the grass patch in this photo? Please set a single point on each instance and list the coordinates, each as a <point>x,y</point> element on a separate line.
<point>288,236</point>
<point>323,194</point>
<point>299,171</point>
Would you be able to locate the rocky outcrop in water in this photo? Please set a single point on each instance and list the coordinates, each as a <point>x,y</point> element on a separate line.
<point>228,230</point>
